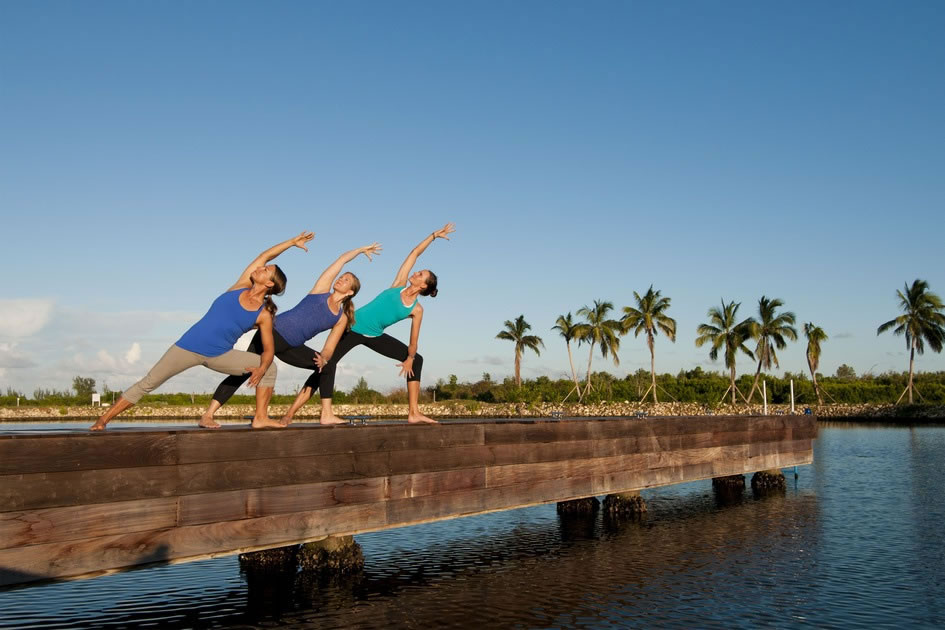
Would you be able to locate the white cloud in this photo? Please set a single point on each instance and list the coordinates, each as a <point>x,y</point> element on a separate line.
<point>11,358</point>
<point>134,354</point>
<point>24,317</point>
<point>107,361</point>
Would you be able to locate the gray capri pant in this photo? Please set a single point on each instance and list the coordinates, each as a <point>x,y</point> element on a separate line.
<point>176,360</point>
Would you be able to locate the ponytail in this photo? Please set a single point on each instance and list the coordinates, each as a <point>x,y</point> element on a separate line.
<point>349,312</point>
<point>279,282</point>
<point>348,304</point>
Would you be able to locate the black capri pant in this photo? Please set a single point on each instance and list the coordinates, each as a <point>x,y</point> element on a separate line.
<point>385,345</point>
<point>299,356</point>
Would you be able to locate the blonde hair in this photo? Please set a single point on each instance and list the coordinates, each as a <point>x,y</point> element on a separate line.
<point>347,303</point>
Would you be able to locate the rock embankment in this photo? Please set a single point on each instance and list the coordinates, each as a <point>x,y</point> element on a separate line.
<point>476,409</point>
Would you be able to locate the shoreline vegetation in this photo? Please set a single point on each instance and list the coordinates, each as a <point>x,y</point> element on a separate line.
<point>694,392</point>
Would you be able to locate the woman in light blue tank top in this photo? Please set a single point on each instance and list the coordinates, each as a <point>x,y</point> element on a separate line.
<point>397,303</point>
<point>209,342</point>
<point>327,306</point>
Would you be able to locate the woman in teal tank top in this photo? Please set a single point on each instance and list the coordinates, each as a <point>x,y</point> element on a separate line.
<point>397,303</point>
<point>245,305</point>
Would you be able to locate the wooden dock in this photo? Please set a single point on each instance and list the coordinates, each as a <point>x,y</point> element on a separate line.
<point>79,504</point>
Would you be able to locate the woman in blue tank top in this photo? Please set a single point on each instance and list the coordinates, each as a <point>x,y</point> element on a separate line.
<point>209,342</point>
<point>397,303</point>
<point>327,305</point>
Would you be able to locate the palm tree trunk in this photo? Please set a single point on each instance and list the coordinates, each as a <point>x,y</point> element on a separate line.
<point>911,363</point>
<point>590,358</point>
<point>813,376</point>
<point>518,367</point>
<point>649,341</point>
<point>755,383</point>
<point>732,377</point>
<point>577,385</point>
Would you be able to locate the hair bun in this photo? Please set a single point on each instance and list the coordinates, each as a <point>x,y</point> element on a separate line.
<point>433,293</point>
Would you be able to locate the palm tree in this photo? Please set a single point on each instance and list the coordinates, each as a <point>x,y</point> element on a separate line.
<point>568,329</point>
<point>649,316</point>
<point>724,333</point>
<point>922,322</point>
<point>598,330</point>
<point>515,331</point>
<point>815,336</point>
<point>770,331</point>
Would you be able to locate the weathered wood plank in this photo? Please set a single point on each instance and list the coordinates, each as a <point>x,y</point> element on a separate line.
<point>23,564</point>
<point>86,521</point>
<point>784,446</point>
<point>497,476</point>
<point>23,454</point>
<point>198,447</point>
<point>596,429</point>
<point>426,484</point>
<point>196,509</point>
<point>61,489</point>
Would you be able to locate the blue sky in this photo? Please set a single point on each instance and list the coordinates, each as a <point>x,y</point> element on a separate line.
<point>584,151</point>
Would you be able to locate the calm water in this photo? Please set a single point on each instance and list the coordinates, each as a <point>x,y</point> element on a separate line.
<point>858,540</point>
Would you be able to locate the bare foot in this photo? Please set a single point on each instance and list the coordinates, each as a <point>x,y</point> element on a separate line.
<point>266,423</point>
<point>207,422</point>
<point>332,419</point>
<point>419,418</point>
<point>98,426</point>
<point>286,421</point>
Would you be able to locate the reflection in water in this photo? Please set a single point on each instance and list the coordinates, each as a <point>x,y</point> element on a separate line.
<point>856,540</point>
<point>927,514</point>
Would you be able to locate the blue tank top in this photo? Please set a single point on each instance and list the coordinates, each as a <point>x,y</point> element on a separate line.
<point>387,308</point>
<point>218,330</point>
<point>306,319</point>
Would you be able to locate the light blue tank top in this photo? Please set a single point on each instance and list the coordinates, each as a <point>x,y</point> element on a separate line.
<point>387,308</point>
<point>218,330</point>
<point>306,319</point>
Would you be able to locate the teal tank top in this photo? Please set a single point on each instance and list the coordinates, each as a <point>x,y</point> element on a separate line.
<point>387,308</point>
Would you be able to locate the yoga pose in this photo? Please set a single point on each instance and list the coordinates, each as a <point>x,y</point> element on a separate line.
<point>396,303</point>
<point>328,305</point>
<point>209,342</point>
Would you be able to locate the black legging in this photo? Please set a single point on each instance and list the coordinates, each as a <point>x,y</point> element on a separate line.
<point>385,344</point>
<point>299,356</point>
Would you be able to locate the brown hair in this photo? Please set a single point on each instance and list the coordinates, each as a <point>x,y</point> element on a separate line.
<point>347,303</point>
<point>431,285</point>
<point>278,288</point>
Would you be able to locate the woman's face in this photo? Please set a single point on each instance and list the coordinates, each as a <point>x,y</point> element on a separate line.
<point>263,275</point>
<point>419,278</point>
<point>344,283</point>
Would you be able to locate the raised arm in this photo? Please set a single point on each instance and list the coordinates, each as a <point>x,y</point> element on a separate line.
<point>404,272</point>
<point>416,317</point>
<point>323,284</point>
<point>299,241</point>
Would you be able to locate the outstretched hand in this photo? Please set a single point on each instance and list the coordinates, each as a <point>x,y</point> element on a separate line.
<point>373,249</point>
<point>320,361</point>
<point>406,368</point>
<point>303,238</point>
<point>444,232</point>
